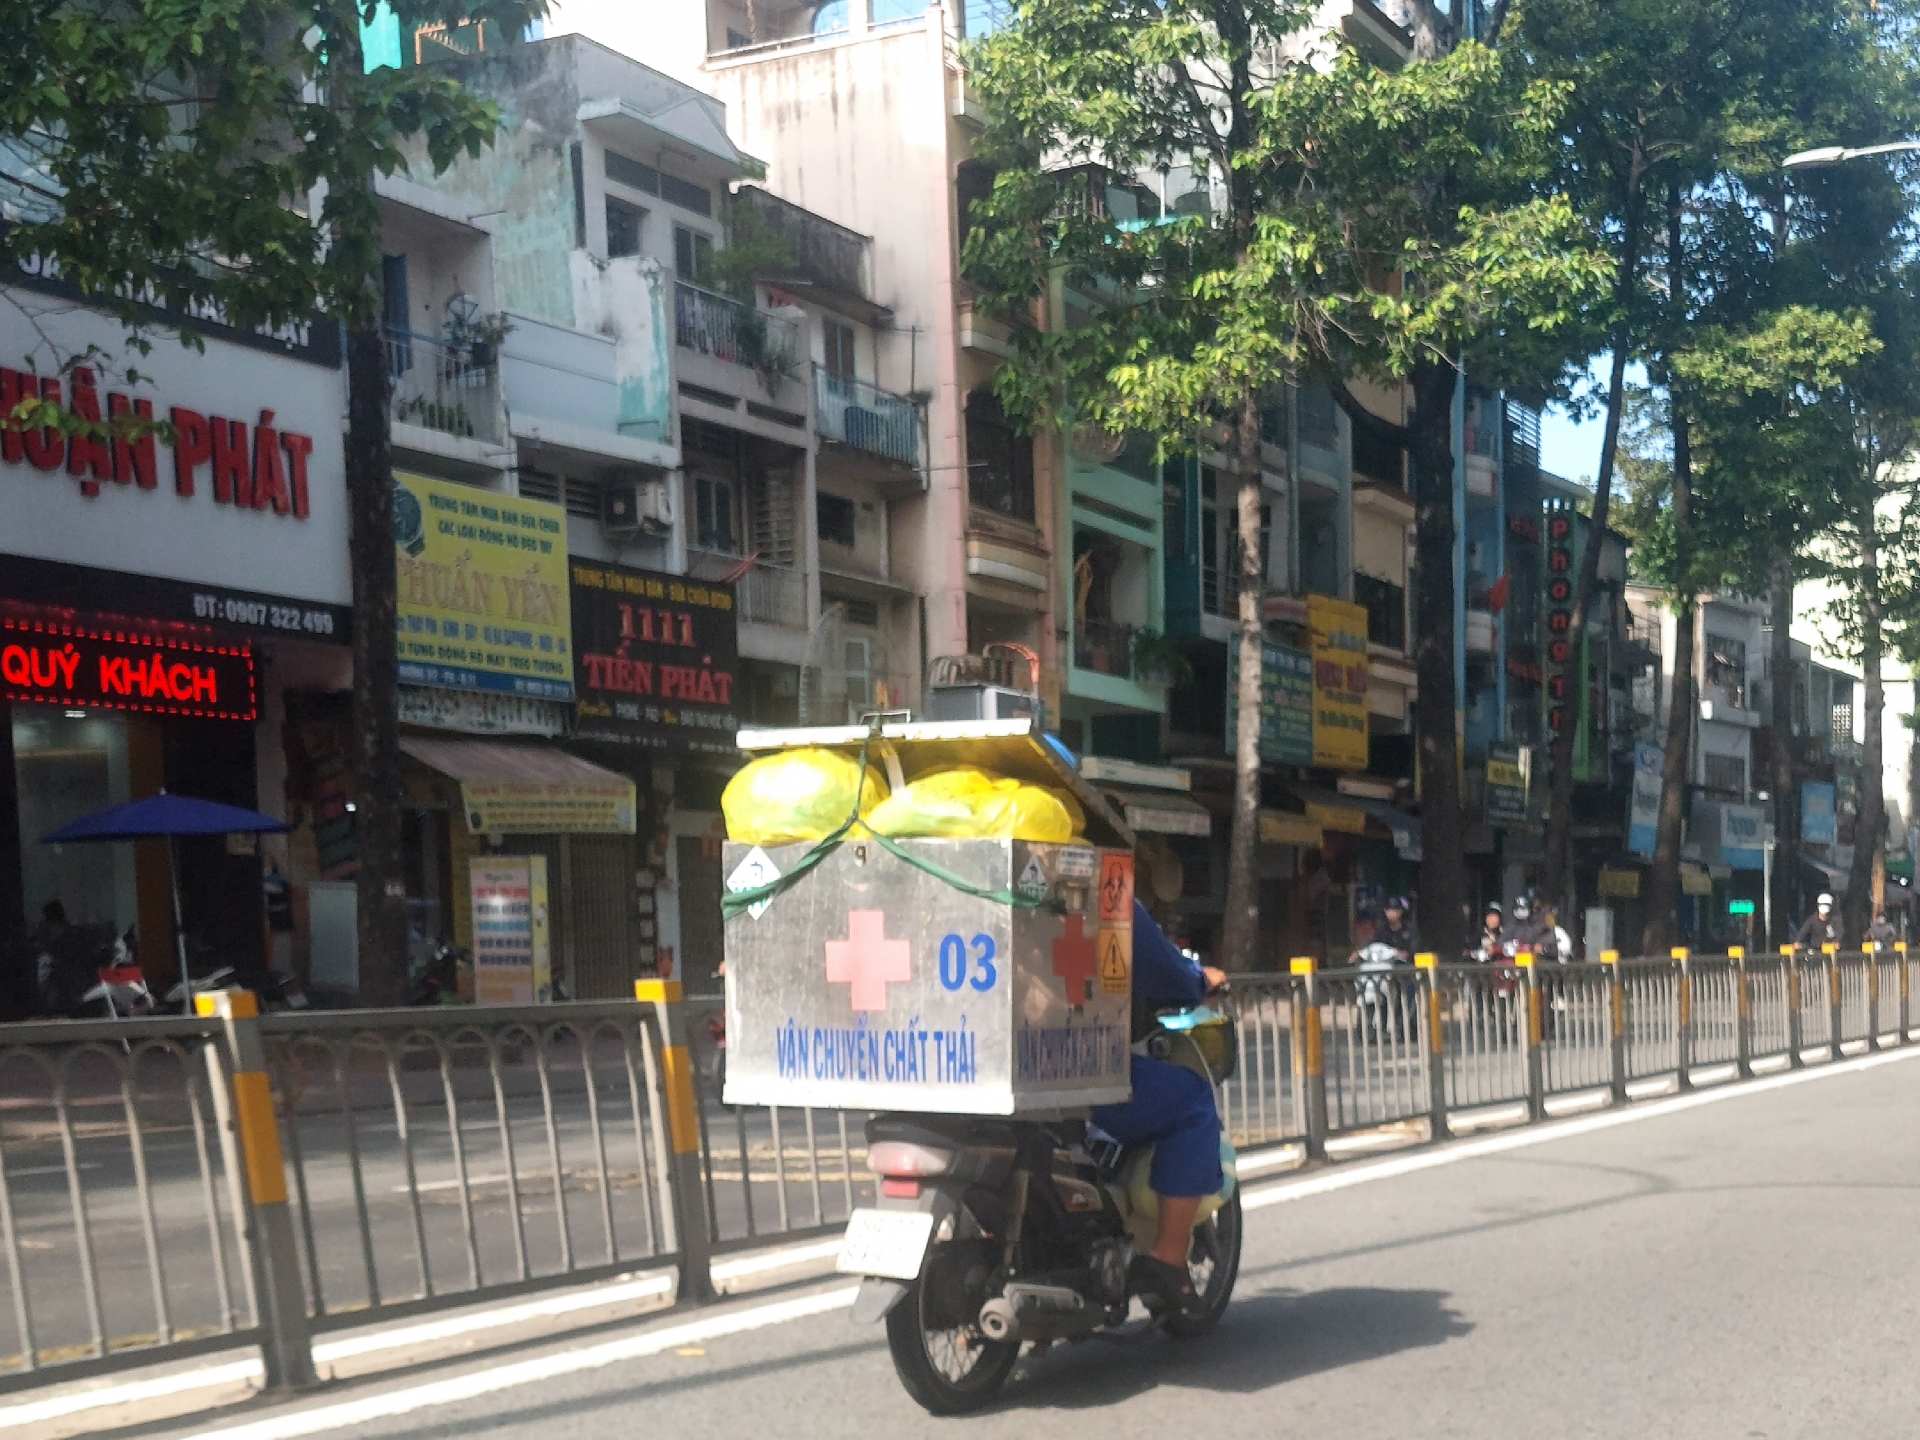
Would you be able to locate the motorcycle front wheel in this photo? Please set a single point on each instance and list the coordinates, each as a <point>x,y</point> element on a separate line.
<point>949,1369</point>
<point>1214,1263</point>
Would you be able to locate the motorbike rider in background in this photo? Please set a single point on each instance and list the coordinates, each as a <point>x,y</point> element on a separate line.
<point>1820,929</point>
<point>1173,1110</point>
<point>1492,946</point>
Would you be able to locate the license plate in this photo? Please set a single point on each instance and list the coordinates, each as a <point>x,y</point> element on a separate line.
<point>891,1243</point>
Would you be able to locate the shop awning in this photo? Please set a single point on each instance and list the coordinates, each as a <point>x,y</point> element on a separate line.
<point>1282,827</point>
<point>529,789</point>
<point>1160,812</point>
<point>1404,828</point>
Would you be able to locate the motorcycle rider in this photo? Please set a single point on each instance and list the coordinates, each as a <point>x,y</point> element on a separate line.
<point>1397,929</point>
<point>1527,932</point>
<point>1881,933</point>
<point>1172,1109</point>
<point>1493,941</point>
<point>1821,928</point>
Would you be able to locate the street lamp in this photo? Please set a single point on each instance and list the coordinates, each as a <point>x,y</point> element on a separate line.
<point>1836,154</point>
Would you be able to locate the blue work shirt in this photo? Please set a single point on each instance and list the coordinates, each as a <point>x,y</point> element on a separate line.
<point>1161,974</point>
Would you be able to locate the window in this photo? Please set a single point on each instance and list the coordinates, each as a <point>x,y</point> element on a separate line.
<point>1726,774</point>
<point>1726,670</point>
<point>692,254</point>
<point>624,225</point>
<point>972,185</point>
<point>395,314</point>
<point>688,195</point>
<point>1379,458</point>
<point>715,506</point>
<point>839,347</point>
<point>1220,542</point>
<point>999,460</point>
<point>1319,418</point>
<point>835,515</point>
<point>1386,607</point>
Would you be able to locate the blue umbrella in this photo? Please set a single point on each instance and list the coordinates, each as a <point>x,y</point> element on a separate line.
<point>164,816</point>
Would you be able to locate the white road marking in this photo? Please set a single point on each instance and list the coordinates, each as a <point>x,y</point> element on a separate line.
<point>293,1424</point>
<point>1364,1173</point>
<point>451,1391</point>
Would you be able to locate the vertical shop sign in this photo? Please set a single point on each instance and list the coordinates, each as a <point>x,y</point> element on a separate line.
<point>512,951</point>
<point>1561,672</point>
<point>1509,768</point>
<point>1286,702</point>
<point>1339,632</point>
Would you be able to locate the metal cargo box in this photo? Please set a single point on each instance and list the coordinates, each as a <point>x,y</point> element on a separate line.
<point>871,984</point>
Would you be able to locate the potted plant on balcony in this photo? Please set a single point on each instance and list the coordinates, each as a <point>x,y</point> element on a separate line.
<point>1157,660</point>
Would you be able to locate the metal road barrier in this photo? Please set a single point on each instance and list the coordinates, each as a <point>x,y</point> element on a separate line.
<point>173,1187</point>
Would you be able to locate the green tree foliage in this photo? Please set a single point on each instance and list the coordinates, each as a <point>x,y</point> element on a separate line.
<point>1357,221</point>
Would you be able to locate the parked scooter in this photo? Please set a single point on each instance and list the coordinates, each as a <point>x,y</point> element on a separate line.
<point>122,989</point>
<point>993,1233</point>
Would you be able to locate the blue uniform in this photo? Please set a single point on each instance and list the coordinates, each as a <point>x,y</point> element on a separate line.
<point>1172,1108</point>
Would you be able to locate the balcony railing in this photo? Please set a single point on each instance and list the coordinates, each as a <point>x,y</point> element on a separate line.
<point>866,417</point>
<point>773,595</point>
<point>452,387</point>
<point>726,329</point>
<point>1104,647</point>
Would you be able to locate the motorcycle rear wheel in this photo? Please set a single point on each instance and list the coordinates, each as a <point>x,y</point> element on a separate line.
<point>947,1371</point>
<point>1214,1262</point>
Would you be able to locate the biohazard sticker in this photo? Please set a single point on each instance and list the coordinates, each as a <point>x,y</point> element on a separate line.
<point>1116,959</point>
<point>1116,889</point>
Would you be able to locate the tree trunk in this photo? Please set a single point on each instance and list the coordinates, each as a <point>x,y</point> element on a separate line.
<point>381,890</point>
<point>1786,792</point>
<point>1240,930</point>
<point>1870,824</point>
<point>376,665</point>
<point>1663,887</point>
<point>1554,868</point>
<point>1443,875</point>
<point>1663,883</point>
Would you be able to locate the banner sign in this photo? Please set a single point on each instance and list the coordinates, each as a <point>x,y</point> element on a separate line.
<point>512,948</point>
<point>655,660</point>
<point>1340,730</point>
<point>98,666</point>
<point>1286,702</point>
<point>482,582</point>
<point>528,807</point>
<point>1643,806</point>
<point>1817,825</point>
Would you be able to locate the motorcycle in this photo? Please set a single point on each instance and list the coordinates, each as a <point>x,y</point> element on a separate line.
<point>67,969</point>
<point>1376,989</point>
<point>990,1234</point>
<point>122,989</point>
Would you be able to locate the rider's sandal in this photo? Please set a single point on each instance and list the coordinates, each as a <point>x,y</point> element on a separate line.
<point>1166,1289</point>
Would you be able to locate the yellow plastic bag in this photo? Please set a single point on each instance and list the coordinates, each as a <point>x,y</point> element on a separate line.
<point>962,802</point>
<point>794,795</point>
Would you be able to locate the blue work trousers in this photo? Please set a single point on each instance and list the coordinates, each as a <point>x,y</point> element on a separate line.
<point>1172,1110</point>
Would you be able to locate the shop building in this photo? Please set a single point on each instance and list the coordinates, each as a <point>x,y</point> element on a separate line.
<point>165,597</point>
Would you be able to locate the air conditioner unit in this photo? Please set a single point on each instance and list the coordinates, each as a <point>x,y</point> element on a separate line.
<point>981,702</point>
<point>637,507</point>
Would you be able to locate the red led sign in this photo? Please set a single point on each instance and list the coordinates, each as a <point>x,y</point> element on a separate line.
<point>110,669</point>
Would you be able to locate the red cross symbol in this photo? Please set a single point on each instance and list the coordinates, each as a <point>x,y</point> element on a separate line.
<point>866,960</point>
<point>1076,961</point>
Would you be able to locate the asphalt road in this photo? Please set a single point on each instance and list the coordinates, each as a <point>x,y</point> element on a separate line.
<point>1739,1269</point>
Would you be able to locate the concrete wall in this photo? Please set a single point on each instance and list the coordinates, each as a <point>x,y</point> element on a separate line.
<point>859,133</point>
